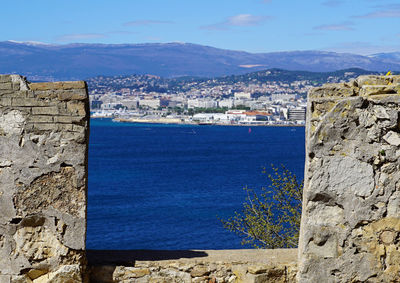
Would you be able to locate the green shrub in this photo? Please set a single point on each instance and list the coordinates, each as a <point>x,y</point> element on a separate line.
<point>272,218</point>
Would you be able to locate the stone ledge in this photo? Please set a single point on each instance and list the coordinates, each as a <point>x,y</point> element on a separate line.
<point>270,256</point>
<point>58,85</point>
<point>370,90</point>
<point>362,86</point>
<point>249,266</point>
<point>377,80</point>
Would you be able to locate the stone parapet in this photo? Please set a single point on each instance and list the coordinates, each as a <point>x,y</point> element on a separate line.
<point>350,229</point>
<point>43,180</point>
<point>222,266</point>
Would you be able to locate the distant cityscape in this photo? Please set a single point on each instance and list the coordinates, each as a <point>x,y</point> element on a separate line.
<point>272,97</point>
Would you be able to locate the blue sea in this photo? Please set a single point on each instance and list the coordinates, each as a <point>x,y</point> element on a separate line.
<point>164,186</point>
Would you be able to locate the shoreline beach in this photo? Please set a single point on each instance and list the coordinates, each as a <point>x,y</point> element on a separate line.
<point>167,121</point>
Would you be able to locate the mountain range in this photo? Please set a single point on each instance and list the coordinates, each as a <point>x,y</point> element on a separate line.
<point>45,62</point>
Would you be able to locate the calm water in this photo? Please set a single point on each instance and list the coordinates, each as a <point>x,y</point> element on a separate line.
<point>163,186</point>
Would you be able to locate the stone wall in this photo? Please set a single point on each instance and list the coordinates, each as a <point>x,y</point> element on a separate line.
<point>206,266</point>
<point>350,230</point>
<point>43,180</point>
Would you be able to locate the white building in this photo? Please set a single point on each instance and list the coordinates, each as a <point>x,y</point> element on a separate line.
<point>130,103</point>
<point>202,103</point>
<point>225,103</point>
<point>211,118</point>
<point>297,114</point>
<point>151,103</point>
<point>109,105</point>
<point>221,118</point>
<point>203,117</point>
<point>235,115</point>
<point>282,97</point>
<point>238,102</point>
<point>242,95</point>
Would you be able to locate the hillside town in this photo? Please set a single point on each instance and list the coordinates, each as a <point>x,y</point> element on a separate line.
<point>270,97</point>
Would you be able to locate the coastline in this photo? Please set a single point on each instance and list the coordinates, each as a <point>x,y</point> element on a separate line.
<point>167,121</point>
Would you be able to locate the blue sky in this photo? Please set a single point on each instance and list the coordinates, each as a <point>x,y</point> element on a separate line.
<point>356,26</point>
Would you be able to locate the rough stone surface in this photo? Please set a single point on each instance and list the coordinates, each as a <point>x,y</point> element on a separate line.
<point>247,266</point>
<point>350,229</point>
<point>43,180</point>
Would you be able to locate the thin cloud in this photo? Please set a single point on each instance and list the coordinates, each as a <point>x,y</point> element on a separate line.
<point>382,11</point>
<point>241,20</point>
<point>80,36</point>
<point>146,23</point>
<point>333,3</point>
<point>246,20</point>
<point>387,6</point>
<point>336,27</point>
<point>381,14</point>
<point>267,1</point>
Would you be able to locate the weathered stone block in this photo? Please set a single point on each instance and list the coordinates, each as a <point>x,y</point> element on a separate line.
<point>76,94</point>
<point>68,119</point>
<point>50,110</point>
<point>44,126</point>
<point>66,273</point>
<point>199,270</point>
<point>368,90</point>
<point>333,90</point>
<point>257,269</point>
<point>6,93</point>
<point>65,128</point>
<point>5,78</point>
<point>36,273</point>
<point>350,219</point>
<point>76,108</point>
<point>376,80</point>
<point>78,128</point>
<point>5,86</point>
<point>40,119</point>
<point>12,122</point>
<point>46,94</point>
<point>58,85</point>
<point>28,102</point>
<point>130,273</point>
<point>5,101</point>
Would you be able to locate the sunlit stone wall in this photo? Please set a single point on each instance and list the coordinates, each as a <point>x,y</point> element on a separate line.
<point>43,180</point>
<point>350,230</point>
<point>195,266</point>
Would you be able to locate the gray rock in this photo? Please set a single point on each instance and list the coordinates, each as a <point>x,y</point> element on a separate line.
<point>392,138</point>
